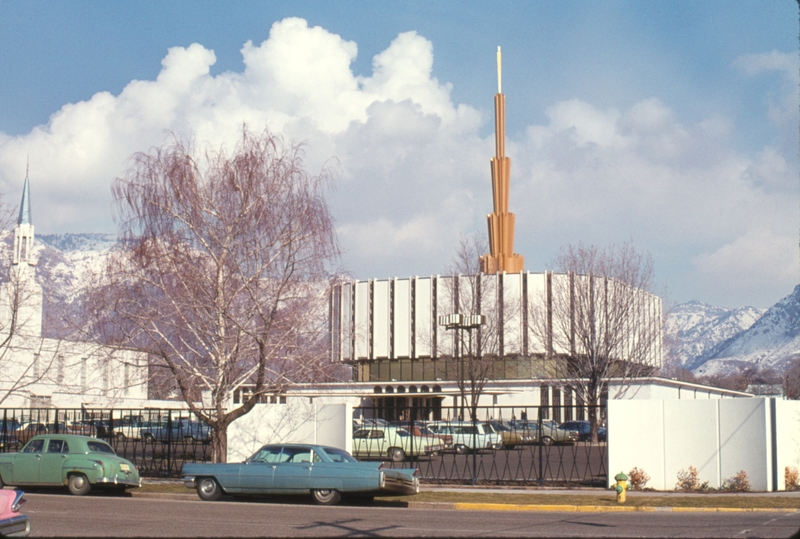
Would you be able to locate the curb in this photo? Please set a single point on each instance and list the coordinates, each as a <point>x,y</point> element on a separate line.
<point>458,506</point>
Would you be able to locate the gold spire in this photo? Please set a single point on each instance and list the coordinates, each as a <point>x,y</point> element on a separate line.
<point>501,257</point>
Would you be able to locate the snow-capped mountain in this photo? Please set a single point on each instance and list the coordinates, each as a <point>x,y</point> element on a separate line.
<point>63,264</point>
<point>771,342</point>
<point>694,329</point>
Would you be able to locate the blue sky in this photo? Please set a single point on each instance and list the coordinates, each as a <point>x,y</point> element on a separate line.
<point>670,124</point>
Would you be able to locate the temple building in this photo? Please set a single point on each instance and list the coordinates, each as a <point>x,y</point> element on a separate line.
<point>406,338</point>
<point>37,371</point>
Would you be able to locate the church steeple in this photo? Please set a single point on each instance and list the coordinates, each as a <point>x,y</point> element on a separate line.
<point>25,207</point>
<point>23,233</point>
<point>501,257</point>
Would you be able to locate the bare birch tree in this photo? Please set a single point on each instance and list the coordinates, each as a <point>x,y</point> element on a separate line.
<point>221,271</point>
<point>602,322</point>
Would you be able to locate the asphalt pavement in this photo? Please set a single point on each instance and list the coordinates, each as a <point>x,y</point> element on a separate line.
<point>605,493</point>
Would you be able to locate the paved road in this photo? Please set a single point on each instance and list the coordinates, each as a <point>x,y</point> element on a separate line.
<point>63,515</point>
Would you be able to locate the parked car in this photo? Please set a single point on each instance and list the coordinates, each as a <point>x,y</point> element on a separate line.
<point>326,473</point>
<point>28,430</point>
<point>584,430</point>
<point>97,428</point>
<point>468,436</point>
<point>77,462</point>
<point>12,522</point>
<point>181,429</point>
<point>511,436</point>
<point>548,435</point>
<point>131,428</point>
<point>395,443</point>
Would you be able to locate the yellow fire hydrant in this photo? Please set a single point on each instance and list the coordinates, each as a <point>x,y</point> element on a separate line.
<point>621,486</point>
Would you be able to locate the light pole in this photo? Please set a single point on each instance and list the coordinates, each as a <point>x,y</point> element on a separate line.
<point>469,322</point>
<point>461,322</point>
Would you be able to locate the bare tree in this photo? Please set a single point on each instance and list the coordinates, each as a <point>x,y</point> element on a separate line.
<point>221,271</point>
<point>601,321</point>
<point>478,347</point>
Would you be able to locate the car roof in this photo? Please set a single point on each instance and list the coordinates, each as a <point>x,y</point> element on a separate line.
<point>68,437</point>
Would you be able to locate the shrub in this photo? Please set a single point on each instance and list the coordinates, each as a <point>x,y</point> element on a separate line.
<point>689,482</point>
<point>638,478</point>
<point>792,478</point>
<point>737,483</point>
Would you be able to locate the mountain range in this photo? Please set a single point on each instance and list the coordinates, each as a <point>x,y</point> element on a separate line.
<point>702,338</point>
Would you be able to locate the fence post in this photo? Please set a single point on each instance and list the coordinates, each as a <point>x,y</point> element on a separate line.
<point>55,422</point>
<point>541,446</point>
<point>169,442</point>
<point>5,430</point>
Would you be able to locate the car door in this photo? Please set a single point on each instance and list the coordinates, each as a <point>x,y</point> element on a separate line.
<point>293,472</point>
<point>257,474</point>
<point>52,461</point>
<point>26,464</point>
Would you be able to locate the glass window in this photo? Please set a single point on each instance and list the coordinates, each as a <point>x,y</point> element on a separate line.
<point>267,454</point>
<point>338,455</point>
<point>57,446</point>
<point>99,447</point>
<point>34,446</point>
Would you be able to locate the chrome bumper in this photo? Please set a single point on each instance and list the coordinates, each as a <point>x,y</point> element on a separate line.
<point>117,481</point>
<point>400,485</point>
<point>18,526</point>
<point>188,481</point>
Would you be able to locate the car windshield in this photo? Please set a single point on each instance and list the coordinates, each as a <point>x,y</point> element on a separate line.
<point>99,447</point>
<point>339,455</point>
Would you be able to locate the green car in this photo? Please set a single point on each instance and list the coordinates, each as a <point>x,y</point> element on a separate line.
<point>77,462</point>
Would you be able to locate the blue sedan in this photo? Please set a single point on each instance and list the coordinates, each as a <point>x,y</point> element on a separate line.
<point>584,429</point>
<point>324,472</point>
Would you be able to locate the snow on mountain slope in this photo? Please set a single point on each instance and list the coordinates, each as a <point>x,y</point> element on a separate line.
<point>693,329</point>
<point>772,342</point>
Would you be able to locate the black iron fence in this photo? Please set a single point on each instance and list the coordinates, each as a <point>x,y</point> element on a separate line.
<point>500,445</point>
<point>157,441</point>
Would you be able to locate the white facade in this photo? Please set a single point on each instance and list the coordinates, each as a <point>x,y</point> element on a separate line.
<point>394,319</point>
<point>41,372</point>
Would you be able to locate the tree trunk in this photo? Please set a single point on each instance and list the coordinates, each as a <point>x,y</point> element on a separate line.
<point>219,444</point>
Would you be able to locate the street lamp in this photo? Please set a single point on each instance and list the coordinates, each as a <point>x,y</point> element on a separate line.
<point>460,322</point>
<point>469,322</point>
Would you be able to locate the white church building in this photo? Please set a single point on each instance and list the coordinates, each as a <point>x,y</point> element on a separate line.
<point>36,371</point>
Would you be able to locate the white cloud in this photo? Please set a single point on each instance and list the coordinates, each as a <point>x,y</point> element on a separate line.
<point>413,171</point>
<point>782,106</point>
<point>756,264</point>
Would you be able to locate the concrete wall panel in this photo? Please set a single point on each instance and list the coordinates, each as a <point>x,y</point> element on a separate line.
<point>299,422</point>
<point>380,319</point>
<point>402,318</point>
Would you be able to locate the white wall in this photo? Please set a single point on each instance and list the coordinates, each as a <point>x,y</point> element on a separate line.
<point>299,421</point>
<point>787,420</point>
<point>719,437</point>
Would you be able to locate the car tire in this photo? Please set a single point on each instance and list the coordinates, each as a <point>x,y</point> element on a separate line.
<point>512,446</point>
<point>460,449</point>
<point>396,454</point>
<point>208,489</point>
<point>120,437</point>
<point>78,485</point>
<point>326,496</point>
<point>547,440</point>
<point>148,438</point>
<point>1,483</point>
